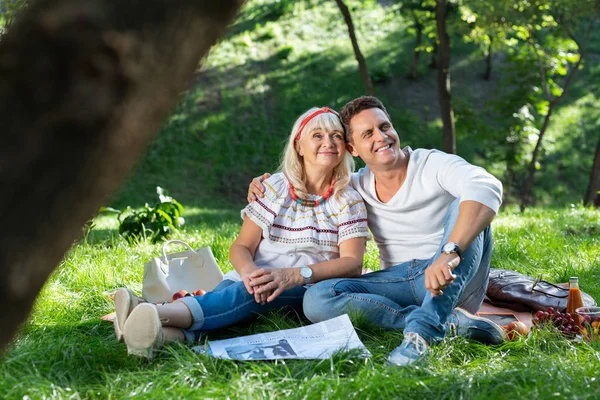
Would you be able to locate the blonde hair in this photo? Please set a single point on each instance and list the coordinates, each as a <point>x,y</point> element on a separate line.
<point>291,162</point>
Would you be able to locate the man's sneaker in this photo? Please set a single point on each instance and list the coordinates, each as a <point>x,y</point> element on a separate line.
<point>463,323</point>
<point>413,347</point>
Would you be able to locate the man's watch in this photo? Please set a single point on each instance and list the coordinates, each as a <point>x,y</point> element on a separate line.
<point>306,273</point>
<point>452,247</point>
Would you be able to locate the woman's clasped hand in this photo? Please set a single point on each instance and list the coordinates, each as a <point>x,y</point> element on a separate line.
<point>268,283</point>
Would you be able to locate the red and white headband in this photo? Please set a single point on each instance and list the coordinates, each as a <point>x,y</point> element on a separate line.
<point>311,116</point>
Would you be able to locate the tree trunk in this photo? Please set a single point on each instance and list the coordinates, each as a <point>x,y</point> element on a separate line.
<point>526,198</point>
<point>362,64</point>
<point>592,197</point>
<point>84,87</point>
<point>488,62</point>
<point>444,87</point>
<point>433,64</point>
<point>510,171</point>
<point>417,52</point>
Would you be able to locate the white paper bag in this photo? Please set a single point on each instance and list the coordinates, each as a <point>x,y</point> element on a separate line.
<point>188,270</point>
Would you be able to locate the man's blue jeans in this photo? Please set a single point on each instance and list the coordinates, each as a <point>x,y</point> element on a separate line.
<point>230,303</point>
<point>396,298</point>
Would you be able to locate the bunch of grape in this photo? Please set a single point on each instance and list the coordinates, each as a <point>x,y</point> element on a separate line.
<point>591,327</point>
<point>564,322</point>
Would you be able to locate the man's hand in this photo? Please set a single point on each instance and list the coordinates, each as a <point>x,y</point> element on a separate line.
<point>274,281</point>
<point>438,276</point>
<point>256,188</point>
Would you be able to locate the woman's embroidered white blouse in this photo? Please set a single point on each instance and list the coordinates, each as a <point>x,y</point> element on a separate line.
<point>295,235</point>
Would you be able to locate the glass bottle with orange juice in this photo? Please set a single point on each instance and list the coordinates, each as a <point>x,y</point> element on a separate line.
<point>575,300</point>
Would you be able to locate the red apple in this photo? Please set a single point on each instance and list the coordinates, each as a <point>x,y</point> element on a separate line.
<point>198,292</point>
<point>515,329</point>
<point>179,294</point>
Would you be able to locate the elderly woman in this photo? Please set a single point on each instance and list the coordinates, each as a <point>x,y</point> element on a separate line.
<point>310,226</point>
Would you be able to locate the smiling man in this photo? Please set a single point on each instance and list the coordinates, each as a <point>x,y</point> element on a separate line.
<point>430,215</point>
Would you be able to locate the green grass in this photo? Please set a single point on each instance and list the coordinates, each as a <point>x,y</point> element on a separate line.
<point>64,351</point>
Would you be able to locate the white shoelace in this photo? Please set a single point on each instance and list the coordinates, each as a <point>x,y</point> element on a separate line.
<point>420,344</point>
<point>452,329</point>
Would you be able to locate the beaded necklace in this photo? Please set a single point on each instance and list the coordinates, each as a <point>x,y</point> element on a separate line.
<point>312,203</point>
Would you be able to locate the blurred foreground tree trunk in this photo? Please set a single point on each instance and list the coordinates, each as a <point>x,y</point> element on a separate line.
<point>362,64</point>
<point>592,197</point>
<point>85,86</point>
<point>444,86</point>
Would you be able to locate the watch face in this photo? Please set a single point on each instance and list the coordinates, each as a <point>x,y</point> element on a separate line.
<point>306,272</point>
<point>449,248</point>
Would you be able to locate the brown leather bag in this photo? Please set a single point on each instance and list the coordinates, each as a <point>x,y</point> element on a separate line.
<point>511,289</point>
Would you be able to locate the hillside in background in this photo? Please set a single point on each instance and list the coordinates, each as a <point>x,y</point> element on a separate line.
<point>282,57</point>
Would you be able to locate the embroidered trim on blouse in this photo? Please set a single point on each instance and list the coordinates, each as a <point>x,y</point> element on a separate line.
<point>282,221</point>
<point>303,228</point>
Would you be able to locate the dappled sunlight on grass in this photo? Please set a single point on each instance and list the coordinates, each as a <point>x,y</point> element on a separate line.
<point>510,222</point>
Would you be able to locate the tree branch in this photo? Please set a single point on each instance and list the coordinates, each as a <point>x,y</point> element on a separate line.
<point>545,87</point>
<point>573,71</point>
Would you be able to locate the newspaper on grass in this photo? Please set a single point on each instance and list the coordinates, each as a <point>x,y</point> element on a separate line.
<point>317,341</point>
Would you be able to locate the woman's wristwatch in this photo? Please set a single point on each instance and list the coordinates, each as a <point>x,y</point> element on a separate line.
<point>306,273</point>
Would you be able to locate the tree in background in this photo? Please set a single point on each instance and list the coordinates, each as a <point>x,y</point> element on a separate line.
<point>508,121</point>
<point>545,44</point>
<point>422,14</point>
<point>444,85</point>
<point>592,196</point>
<point>550,40</point>
<point>488,28</point>
<point>433,64</point>
<point>362,64</point>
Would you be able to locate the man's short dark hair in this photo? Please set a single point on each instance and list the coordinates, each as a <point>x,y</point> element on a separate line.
<point>357,105</point>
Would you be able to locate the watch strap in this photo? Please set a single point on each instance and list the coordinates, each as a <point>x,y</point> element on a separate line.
<point>306,278</point>
<point>456,249</point>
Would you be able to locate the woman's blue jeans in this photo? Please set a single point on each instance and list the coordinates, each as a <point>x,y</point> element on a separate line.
<point>230,303</point>
<point>396,298</point>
